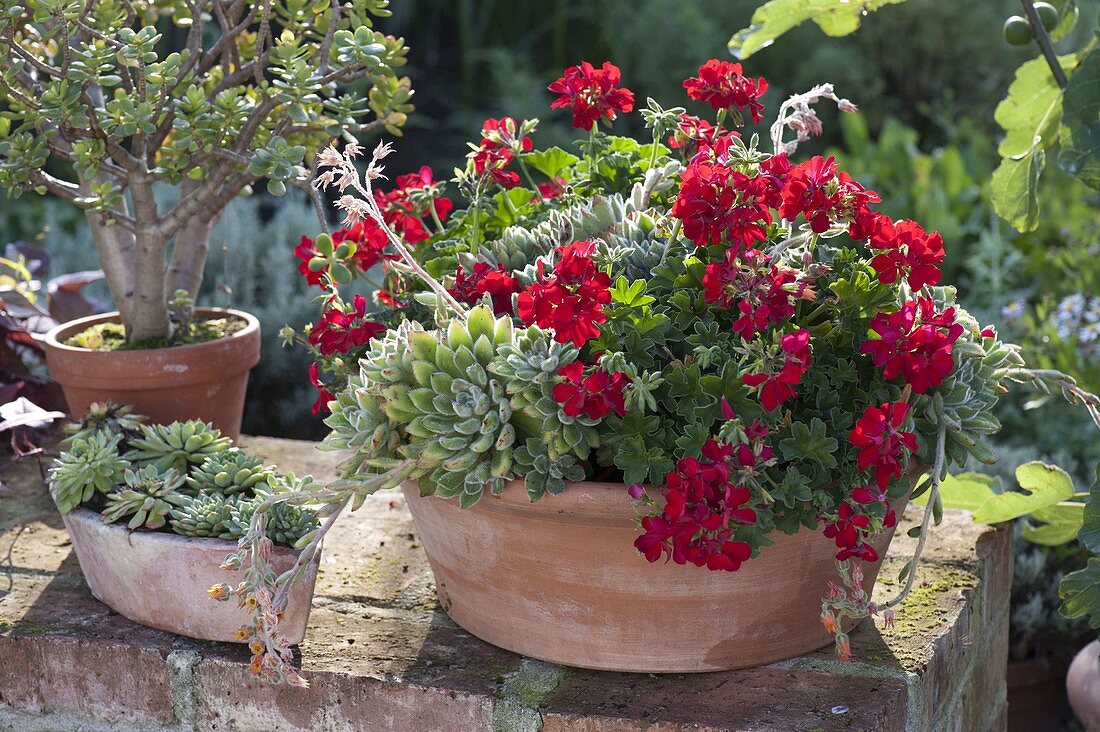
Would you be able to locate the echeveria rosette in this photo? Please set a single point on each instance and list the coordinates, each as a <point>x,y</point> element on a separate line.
<point>179,445</point>
<point>89,466</point>
<point>146,497</point>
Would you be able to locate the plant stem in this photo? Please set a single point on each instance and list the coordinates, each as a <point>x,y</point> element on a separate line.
<point>1043,39</point>
<point>526,172</point>
<point>937,471</point>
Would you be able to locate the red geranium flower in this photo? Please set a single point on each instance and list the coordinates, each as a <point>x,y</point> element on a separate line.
<point>695,131</point>
<point>716,203</point>
<point>368,237</point>
<point>764,294</point>
<point>492,161</point>
<point>881,441</point>
<point>907,251</point>
<point>594,396</point>
<point>340,332</point>
<point>592,94</point>
<point>496,282</point>
<point>778,386</point>
<point>915,343</point>
<point>722,85</point>
<point>824,195</point>
<point>404,208</point>
<point>702,506</point>
<point>324,396</point>
<point>570,300</point>
<point>505,133</point>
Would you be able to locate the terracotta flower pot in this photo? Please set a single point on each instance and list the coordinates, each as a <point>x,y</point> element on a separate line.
<point>560,580</point>
<point>1037,695</point>
<point>1083,686</point>
<point>204,381</point>
<point>161,580</point>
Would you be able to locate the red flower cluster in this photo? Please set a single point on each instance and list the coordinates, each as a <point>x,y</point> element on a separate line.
<point>824,195</point>
<point>367,236</point>
<point>339,332</point>
<point>694,130</point>
<point>405,207</point>
<point>570,300</point>
<point>915,343</point>
<point>851,527</point>
<point>716,204</point>
<point>595,396</point>
<point>506,133</point>
<point>591,94</point>
<point>881,441</point>
<point>501,141</point>
<point>701,507</point>
<point>908,251</point>
<point>764,293</point>
<point>324,396</point>
<point>550,189</point>
<point>778,386</point>
<point>497,283</point>
<point>722,85</point>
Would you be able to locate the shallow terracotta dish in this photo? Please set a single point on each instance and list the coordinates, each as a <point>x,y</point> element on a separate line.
<point>560,580</point>
<point>204,381</point>
<point>161,580</point>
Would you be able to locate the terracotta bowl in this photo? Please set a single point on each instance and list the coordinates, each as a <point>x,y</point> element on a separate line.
<point>560,580</point>
<point>204,381</point>
<point>161,580</point>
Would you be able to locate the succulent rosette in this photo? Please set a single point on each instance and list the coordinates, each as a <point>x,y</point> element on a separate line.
<point>738,336</point>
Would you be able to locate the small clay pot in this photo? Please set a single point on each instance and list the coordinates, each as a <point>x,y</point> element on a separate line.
<point>560,580</point>
<point>1083,686</point>
<point>204,381</point>
<point>161,580</point>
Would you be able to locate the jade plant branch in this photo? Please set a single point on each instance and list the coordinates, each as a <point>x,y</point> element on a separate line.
<point>103,115</point>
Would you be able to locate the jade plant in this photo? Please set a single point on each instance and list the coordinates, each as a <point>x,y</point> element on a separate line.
<point>101,110</point>
<point>182,477</point>
<point>739,338</point>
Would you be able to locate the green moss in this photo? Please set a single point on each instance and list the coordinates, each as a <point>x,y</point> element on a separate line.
<point>112,336</point>
<point>25,627</point>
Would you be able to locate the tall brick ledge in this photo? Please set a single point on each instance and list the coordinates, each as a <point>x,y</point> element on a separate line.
<point>382,655</point>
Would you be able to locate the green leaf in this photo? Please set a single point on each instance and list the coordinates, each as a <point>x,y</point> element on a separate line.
<point>1081,114</point>
<point>774,18</point>
<point>810,442</point>
<point>1014,190</point>
<point>632,295</point>
<point>1031,116</point>
<point>1045,484</point>
<point>1080,593</point>
<point>1059,524</point>
<point>1090,528</point>
<point>552,162</point>
<point>965,491</point>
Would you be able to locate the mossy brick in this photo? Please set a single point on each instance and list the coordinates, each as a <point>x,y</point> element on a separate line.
<point>382,655</point>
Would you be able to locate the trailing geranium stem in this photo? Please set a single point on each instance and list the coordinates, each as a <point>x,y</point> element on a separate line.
<point>528,177</point>
<point>926,521</point>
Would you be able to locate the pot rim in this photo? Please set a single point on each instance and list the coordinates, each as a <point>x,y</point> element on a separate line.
<point>164,538</point>
<point>54,338</point>
<point>583,502</point>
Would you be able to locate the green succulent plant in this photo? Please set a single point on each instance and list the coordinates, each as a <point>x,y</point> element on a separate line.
<point>529,367</point>
<point>230,472</point>
<point>545,470</point>
<point>179,445</point>
<point>359,424</point>
<point>456,414</point>
<point>109,418</point>
<point>286,523</point>
<point>147,496</point>
<point>92,464</point>
<point>206,514</point>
